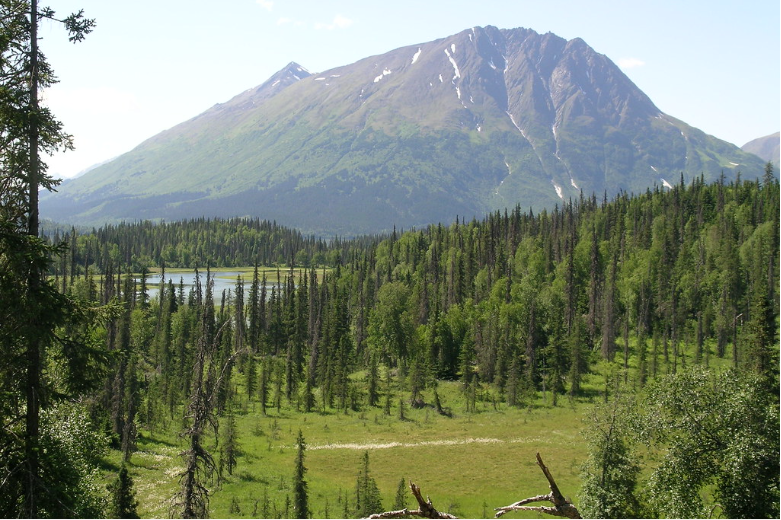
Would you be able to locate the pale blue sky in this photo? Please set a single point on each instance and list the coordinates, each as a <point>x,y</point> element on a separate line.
<point>151,64</point>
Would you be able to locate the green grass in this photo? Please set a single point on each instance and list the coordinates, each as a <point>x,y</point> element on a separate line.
<point>468,464</point>
<point>455,460</point>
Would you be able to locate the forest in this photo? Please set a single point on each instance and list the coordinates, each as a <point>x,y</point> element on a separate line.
<point>509,307</point>
<point>633,339</point>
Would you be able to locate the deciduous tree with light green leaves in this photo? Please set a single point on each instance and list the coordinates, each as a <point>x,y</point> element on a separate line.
<point>611,472</point>
<point>716,431</point>
<point>710,445</point>
<point>390,323</point>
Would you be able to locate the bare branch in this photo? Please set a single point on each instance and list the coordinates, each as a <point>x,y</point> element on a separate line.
<point>561,506</point>
<point>401,513</point>
<point>425,508</point>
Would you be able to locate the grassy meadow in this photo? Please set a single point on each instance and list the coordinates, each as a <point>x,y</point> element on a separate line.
<point>468,463</point>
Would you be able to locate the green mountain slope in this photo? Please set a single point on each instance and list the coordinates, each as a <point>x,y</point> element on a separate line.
<point>481,120</point>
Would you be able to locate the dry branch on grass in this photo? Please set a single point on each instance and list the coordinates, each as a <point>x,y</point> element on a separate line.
<point>425,508</point>
<point>561,506</point>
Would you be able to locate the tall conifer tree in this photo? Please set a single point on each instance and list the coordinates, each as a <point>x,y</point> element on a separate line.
<point>300,499</point>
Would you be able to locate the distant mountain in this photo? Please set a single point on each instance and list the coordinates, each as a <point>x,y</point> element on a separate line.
<point>481,120</point>
<point>767,148</point>
<point>82,172</point>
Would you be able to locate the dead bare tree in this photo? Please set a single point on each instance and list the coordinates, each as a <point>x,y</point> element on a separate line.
<point>561,506</point>
<point>192,500</point>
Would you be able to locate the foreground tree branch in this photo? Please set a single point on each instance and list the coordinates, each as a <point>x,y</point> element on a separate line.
<point>561,506</point>
<point>425,508</point>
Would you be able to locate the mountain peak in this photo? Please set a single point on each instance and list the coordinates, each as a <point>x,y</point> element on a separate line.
<point>253,97</point>
<point>480,120</point>
<point>293,69</point>
<point>286,76</point>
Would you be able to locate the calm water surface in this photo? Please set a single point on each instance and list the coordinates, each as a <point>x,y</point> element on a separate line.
<point>223,281</point>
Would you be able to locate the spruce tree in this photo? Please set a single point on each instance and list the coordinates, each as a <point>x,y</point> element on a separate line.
<point>372,381</point>
<point>230,446</point>
<point>123,496</point>
<point>300,499</point>
<point>578,355</point>
<point>35,308</point>
<point>400,502</point>
<point>367,495</point>
<point>263,386</point>
<point>388,391</point>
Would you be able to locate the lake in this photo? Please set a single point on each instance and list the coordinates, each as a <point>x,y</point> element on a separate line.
<point>223,281</point>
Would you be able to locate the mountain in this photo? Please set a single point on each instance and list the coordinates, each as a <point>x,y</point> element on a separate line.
<point>767,148</point>
<point>481,120</point>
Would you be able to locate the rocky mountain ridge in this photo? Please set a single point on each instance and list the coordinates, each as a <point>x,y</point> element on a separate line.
<point>481,120</point>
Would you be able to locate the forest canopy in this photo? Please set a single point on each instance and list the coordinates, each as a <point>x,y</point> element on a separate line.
<point>518,303</point>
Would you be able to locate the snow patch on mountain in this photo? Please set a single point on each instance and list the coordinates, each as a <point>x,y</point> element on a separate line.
<point>385,72</point>
<point>558,189</point>
<point>509,172</point>
<point>516,124</point>
<point>416,56</point>
<point>453,62</point>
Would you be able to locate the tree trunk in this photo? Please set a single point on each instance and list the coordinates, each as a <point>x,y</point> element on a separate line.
<point>33,383</point>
